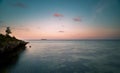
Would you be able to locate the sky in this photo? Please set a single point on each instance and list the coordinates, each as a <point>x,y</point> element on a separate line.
<point>61,19</point>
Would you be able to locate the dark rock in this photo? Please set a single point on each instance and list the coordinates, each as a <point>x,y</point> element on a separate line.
<point>10,46</point>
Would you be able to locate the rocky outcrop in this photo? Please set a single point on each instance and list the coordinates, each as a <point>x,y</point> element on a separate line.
<point>10,46</point>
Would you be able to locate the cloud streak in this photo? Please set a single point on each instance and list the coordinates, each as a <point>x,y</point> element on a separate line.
<point>77,19</point>
<point>101,6</point>
<point>61,31</point>
<point>57,15</point>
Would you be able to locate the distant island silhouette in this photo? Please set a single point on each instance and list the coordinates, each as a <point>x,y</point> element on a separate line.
<point>43,39</point>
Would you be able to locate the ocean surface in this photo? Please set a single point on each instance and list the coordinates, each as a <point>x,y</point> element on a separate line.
<point>67,57</point>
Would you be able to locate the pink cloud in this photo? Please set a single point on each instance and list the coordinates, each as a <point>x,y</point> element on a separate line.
<point>61,31</point>
<point>77,19</point>
<point>58,15</point>
<point>18,4</point>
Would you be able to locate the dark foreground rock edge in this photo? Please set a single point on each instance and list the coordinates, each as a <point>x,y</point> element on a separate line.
<point>10,47</point>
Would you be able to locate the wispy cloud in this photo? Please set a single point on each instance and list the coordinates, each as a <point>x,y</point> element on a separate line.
<point>61,31</point>
<point>101,6</point>
<point>57,15</point>
<point>19,4</point>
<point>77,19</point>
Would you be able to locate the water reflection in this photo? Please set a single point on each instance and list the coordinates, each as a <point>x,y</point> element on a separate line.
<point>9,60</point>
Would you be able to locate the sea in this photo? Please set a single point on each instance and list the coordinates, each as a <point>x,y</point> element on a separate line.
<point>67,56</point>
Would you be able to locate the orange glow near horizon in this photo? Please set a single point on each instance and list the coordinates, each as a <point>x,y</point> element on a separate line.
<point>73,33</point>
<point>57,29</point>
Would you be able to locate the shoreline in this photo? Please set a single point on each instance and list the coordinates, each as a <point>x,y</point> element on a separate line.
<point>10,47</point>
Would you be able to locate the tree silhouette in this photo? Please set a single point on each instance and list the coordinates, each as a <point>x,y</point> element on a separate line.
<point>8,31</point>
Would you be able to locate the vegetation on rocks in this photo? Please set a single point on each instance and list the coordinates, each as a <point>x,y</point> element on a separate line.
<point>10,44</point>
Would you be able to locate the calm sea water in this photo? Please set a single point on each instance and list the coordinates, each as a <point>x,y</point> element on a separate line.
<point>68,57</point>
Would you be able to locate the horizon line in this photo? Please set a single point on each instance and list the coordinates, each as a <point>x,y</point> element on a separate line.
<point>74,39</point>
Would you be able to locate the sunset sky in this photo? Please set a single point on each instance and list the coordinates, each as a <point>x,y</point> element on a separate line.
<point>61,19</point>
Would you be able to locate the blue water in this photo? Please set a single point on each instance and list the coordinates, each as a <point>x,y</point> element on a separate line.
<point>68,57</point>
